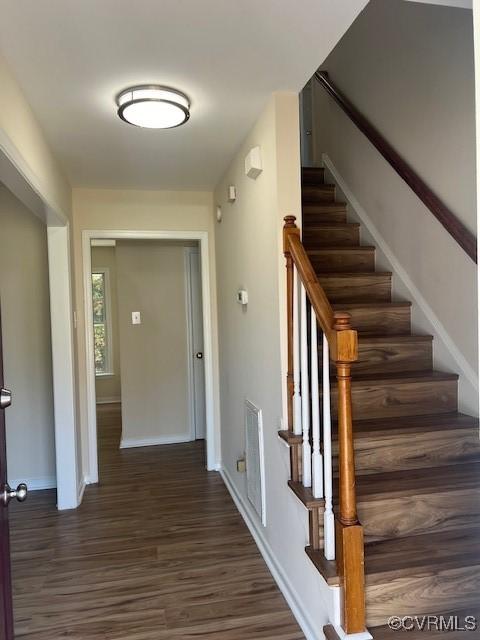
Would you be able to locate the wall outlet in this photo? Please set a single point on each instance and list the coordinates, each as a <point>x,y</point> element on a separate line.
<point>136,317</point>
<point>231,193</point>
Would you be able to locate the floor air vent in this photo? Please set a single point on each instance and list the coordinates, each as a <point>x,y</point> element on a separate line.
<point>255,459</point>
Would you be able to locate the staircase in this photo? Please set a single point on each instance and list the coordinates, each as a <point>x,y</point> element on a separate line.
<point>417,458</point>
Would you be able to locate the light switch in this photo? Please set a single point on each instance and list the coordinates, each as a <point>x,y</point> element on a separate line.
<point>136,317</point>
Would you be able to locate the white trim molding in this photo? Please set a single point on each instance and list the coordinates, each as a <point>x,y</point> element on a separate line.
<point>66,436</point>
<point>17,175</point>
<point>211,401</point>
<point>460,4</point>
<point>130,443</point>
<point>36,484</point>
<point>190,365</point>
<point>81,490</point>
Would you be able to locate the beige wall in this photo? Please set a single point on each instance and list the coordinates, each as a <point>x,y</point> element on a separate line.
<point>251,339</point>
<point>409,68</point>
<point>129,210</point>
<point>151,279</point>
<point>24,298</point>
<point>108,388</point>
<point>19,127</point>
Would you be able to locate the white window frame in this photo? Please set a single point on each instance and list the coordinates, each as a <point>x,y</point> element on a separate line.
<point>110,371</point>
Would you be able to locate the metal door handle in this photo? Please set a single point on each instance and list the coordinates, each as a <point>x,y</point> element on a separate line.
<point>199,355</point>
<point>20,493</point>
<point>5,398</point>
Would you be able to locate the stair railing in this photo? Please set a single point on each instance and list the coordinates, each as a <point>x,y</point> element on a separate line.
<point>311,463</point>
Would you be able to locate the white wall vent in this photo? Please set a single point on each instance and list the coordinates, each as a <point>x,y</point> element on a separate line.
<point>255,459</point>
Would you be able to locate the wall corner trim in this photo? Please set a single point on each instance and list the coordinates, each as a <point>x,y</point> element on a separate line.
<point>399,271</point>
<point>268,555</point>
<point>81,490</point>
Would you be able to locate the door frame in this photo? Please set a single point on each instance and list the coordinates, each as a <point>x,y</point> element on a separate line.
<point>188,251</point>
<point>17,176</point>
<point>202,237</point>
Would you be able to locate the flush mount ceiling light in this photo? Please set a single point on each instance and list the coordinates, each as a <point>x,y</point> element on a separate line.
<point>153,107</point>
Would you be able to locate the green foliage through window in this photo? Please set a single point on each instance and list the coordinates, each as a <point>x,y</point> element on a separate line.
<point>100,322</point>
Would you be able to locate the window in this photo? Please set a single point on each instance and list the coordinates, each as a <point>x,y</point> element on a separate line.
<point>102,326</point>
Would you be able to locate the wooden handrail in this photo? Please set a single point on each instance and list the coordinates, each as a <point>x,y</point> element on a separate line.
<point>343,348</point>
<point>459,232</point>
<point>294,250</point>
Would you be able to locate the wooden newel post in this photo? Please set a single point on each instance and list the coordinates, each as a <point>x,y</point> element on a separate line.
<point>350,545</point>
<point>290,228</point>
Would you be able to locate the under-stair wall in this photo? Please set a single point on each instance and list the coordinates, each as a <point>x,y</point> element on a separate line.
<point>252,339</point>
<point>408,68</point>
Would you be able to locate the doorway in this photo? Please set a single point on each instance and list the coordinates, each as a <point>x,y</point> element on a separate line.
<point>147,299</point>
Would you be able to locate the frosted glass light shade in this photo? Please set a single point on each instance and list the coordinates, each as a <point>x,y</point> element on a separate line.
<point>153,107</point>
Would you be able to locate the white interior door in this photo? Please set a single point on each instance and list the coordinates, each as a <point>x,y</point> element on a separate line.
<point>196,342</point>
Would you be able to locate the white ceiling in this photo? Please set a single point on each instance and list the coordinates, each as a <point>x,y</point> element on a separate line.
<point>72,57</point>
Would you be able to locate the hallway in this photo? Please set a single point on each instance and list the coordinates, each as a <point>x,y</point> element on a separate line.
<point>157,551</point>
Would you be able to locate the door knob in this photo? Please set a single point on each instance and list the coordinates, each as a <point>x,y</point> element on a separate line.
<point>199,355</point>
<point>20,493</point>
<point>5,398</point>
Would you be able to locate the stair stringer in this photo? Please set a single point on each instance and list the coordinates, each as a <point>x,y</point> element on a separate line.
<point>447,356</point>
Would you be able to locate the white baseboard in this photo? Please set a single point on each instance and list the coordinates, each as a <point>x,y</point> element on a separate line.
<point>109,400</point>
<point>36,484</point>
<point>128,443</point>
<point>265,549</point>
<point>417,297</point>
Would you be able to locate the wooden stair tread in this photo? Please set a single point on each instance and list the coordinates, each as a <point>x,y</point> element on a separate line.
<point>289,437</point>
<point>312,176</point>
<point>400,425</point>
<point>373,317</point>
<point>305,495</point>
<point>373,338</point>
<point>329,206</point>
<point>353,274</point>
<point>341,249</point>
<point>399,378</point>
<point>323,226</point>
<point>416,424</point>
<point>327,568</point>
<point>418,481</point>
<point>330,633</point>
<point>430,552</point>
<point>319,187</point>
<point>343,306</point>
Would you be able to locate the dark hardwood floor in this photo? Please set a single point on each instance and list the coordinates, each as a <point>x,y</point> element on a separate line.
<point>156,551</point>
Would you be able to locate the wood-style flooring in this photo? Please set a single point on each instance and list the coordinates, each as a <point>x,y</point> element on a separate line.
<point>156,551</point>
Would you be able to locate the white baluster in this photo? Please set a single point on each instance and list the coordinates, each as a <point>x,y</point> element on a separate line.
<point>317,459</point>
<point>328,517</point>
<point>297,401</point>
<point>306,450</point>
